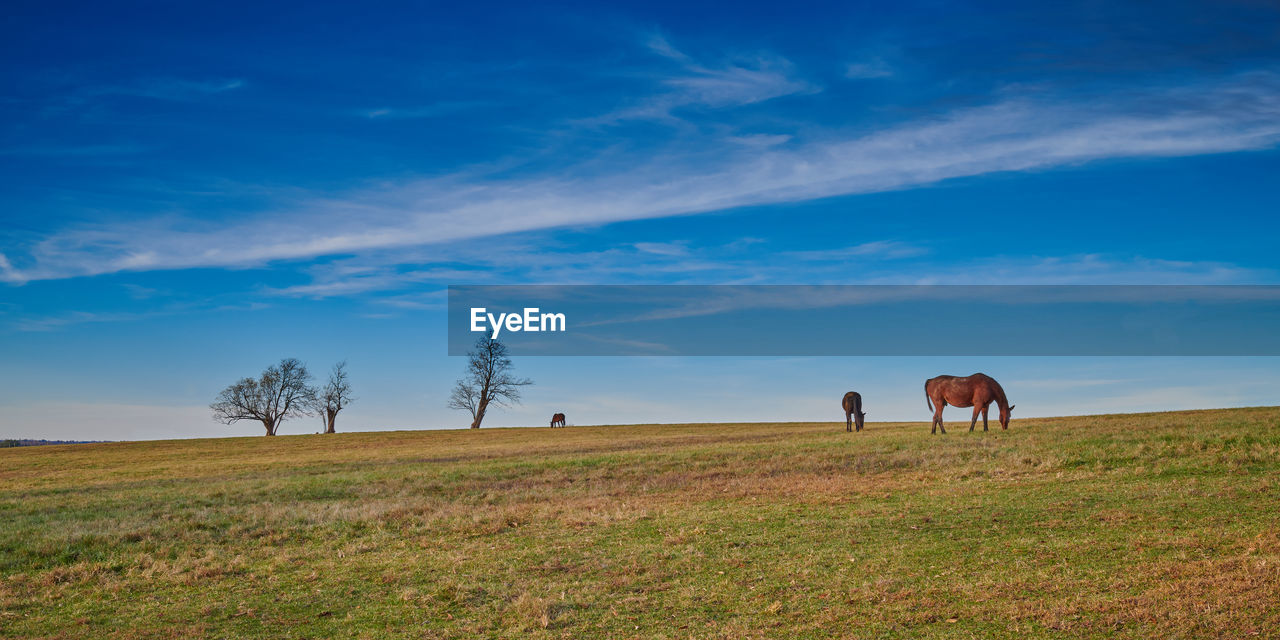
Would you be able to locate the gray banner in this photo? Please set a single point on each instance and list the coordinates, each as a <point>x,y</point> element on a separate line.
<point>850,320</point>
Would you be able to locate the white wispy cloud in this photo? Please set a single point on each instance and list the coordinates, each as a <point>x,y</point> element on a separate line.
<point>169,89</point>
<point>331,282</point>
<point>71,318</point>
<point>160,88</point>
<point>892,249</point>
<point>7,272</point>
<point>760,140</point>
<point>1095,269</point>
<point>870,69</point>
<point>740,82</point>
<point>52,323</point>
<point>534,258</point>
<point>673,303</point>
<point>1239,114</point>
<point>178,88</point>
<point>436,110</point>
<point>663,248</point>
<point>511,260</point>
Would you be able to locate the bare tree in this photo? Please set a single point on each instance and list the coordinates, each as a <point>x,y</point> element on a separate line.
<point>333,396</point>
<point>488,381</point>
<point>281,393</point>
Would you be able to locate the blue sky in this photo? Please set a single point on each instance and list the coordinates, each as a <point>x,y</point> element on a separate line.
<point>191,192</point>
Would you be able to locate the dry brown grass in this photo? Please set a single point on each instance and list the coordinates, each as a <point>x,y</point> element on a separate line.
<point>1132,526</point>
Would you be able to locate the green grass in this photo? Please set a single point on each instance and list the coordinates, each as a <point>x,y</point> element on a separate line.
<point>1138,526</point>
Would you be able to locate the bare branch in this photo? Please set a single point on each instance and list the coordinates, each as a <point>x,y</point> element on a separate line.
<point>282,392</point>
<point>488,381</point>
<point>333,396</point>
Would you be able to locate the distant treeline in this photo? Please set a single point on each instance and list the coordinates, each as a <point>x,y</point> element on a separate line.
<point>28,442</point>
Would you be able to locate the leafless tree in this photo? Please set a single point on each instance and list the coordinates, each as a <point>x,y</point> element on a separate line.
<point>488,381</point>
<point>281,393</point>
<point>333,396</point>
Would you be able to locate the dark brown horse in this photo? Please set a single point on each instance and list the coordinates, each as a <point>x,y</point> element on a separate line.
<point>557,420</point>
<point>853,414</point>
<point>978,391</point>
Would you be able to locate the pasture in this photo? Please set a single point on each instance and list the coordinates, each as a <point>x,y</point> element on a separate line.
<point>1134,526</point>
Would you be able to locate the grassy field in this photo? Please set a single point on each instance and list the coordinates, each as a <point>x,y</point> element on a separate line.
<point>1139,526</point>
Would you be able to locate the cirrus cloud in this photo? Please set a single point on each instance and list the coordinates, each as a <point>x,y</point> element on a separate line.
<point>711,173</point>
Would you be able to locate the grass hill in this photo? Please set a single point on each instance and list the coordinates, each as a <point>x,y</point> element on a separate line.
<point>1138,526</point>
<point>33,442</point>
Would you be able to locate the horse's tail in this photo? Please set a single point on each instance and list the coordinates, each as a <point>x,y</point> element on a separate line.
<point>928,402</point>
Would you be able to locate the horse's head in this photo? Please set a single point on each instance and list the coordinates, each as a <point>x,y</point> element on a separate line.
<point>858,419</point>
<point>1005,414</point>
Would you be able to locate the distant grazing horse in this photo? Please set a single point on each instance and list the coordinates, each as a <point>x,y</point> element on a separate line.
<point>557,420</point>
<point>853,414</point>
<point>978,391</point>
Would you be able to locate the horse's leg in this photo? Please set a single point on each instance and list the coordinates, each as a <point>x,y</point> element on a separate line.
<point>848,422</point>
<point>937,419</point>
<point>984,416</point>
<point>974,421</point>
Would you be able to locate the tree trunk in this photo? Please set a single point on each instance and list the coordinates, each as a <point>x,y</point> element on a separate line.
<point>475,424</point>
<point>333,417</point>
<point>271,428</point>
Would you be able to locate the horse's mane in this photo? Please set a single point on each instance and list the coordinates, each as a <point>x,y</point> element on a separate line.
<point>1001,400</point>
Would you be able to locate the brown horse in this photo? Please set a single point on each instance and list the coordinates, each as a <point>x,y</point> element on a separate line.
<point>978,391</point>
<point>557,420</point>
<point>852,404</point>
